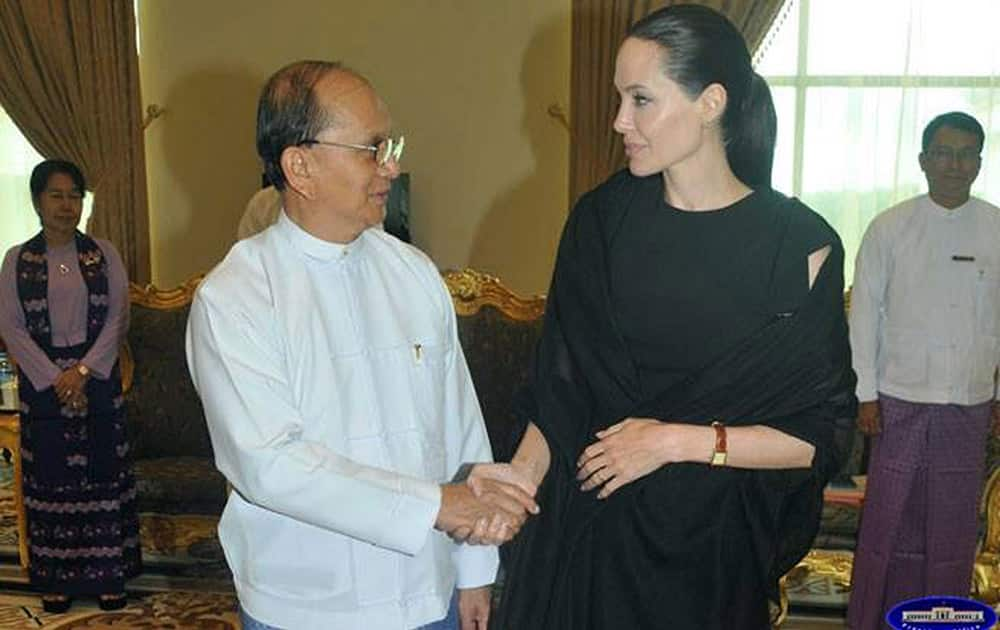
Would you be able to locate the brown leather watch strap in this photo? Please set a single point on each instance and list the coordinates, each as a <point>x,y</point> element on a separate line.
<point>720,453</point>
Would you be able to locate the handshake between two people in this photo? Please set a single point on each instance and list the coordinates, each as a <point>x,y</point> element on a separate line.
<point>489,507</point>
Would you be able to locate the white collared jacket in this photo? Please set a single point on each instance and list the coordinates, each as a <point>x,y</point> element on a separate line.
<point>338,400</point>
<point>925,305</point>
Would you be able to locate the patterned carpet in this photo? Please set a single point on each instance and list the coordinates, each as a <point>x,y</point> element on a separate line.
<point>186,584</point>
<point>174,610</point>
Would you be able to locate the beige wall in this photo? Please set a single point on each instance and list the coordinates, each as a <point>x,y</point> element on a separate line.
<point>468,82</point>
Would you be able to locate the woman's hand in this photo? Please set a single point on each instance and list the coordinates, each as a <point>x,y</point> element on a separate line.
<point>632,449</point>
<point>490,519</point>
<point>70,387</point>
<point>79,402</point>
<point>508,478</point>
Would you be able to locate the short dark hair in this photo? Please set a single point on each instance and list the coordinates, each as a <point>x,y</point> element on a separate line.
<point>288,113</point>
<point>47,168</point>
<point>955,120</point>
<point>703,47</point>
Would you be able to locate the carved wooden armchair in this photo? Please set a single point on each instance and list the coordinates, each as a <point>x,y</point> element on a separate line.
<point>986,572</point>
<point>170,443</point>
<point>498,331</point>
<point>175,472</point>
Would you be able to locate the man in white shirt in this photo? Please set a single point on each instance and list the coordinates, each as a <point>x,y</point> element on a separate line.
<point>925,326</point>
<point>261,212</point>
<point>338,400</point>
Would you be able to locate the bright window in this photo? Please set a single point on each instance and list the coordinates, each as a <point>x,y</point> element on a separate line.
<point>854,84</point>
<point>18,221</point>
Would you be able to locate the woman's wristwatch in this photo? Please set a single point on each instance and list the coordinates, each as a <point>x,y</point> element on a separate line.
<point>720,453</point>
<point>83,370</point>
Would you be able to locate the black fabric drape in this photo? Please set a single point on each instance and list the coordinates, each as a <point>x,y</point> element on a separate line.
<point>688,546</point>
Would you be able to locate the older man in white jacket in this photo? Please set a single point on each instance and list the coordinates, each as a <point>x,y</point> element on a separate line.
<point>337,396</point>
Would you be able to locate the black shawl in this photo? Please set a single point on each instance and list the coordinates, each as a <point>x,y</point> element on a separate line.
<point>688,545</point>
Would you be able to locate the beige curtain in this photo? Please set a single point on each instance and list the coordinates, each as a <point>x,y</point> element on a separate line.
<point>598,28</point>
<point>69,79</point>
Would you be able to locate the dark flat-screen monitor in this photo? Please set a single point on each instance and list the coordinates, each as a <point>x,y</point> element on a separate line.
<point>397,208</point>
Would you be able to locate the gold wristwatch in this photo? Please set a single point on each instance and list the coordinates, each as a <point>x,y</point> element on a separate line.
<point>720,452</point>
<point>83,370</point>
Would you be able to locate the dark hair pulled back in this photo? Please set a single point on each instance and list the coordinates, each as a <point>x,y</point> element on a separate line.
<point>703,47</point>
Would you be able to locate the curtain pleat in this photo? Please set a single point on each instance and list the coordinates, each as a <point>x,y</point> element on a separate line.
<point>69,79</point>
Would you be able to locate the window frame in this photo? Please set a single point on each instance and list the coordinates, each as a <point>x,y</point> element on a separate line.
<point>802,81</point>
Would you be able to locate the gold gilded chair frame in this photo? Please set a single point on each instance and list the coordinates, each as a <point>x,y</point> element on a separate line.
<point>150,296</point>
<point>471,290</point>
<point>986,571</point>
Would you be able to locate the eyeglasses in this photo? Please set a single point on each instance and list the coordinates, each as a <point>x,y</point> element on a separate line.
<point>947,154</point>
<point>384,151</point>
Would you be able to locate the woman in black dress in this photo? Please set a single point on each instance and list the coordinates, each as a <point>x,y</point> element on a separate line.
<point>692,391</point>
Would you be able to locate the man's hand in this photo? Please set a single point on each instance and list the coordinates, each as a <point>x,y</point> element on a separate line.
<point>492,519</point>
<point>474,607</point>
<point>490,482</point>
<point>995,427</point>
<point>870,418</point>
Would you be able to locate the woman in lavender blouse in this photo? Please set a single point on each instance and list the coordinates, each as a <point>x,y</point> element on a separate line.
<point>63,315</point>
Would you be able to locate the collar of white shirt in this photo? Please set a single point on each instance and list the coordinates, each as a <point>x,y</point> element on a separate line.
<point>313,247</point>
<point>948,213</point>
